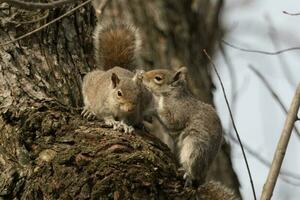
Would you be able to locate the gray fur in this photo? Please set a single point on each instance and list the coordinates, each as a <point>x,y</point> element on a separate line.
<point>116,51</point>
<point>100,98</point>
<point>193,125</point>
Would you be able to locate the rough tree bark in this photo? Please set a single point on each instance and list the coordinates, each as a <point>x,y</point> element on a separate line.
<point>47,150</point>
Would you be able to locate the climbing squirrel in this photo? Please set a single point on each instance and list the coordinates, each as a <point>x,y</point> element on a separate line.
<point>211,190</point>
<point>112,92</point>
<point>193,125</point>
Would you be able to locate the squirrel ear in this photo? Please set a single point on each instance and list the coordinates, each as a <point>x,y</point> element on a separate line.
<point>180,74</point>
<point>115,80</point>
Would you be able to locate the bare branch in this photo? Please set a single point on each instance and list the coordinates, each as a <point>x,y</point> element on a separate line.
<point>276,97</point>
<point>233,123</point>
<point>47,24</point>
<point>288,181</point>
<point>273,33</point>
<point>33,5</point>
<point>259,51</point>
<point>281,147</point>
<point>101,8</point>
<point>289,13</point>
<point>264,161</point>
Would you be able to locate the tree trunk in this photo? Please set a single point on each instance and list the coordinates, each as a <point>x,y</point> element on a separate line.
<point>47,150</point>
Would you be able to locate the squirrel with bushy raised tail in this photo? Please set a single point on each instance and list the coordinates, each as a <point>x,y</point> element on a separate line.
<point>113,93</point>
<point>118,96</point>
<point>193,125</point>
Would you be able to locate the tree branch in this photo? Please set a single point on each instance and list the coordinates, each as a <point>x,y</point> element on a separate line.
<point>33,5</point>
<point>281,147</point>
<point>273,33</point>
<point>276,97</point>
<point>289,13</point>
<point>45,25</point>
<point>259,51</point>
<point>265,162</point>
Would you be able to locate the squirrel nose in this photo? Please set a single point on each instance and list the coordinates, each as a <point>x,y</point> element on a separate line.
<point>129,107</point>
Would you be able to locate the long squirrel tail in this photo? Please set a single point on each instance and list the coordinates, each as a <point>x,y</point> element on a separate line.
<point>116,44</point>
<point>215,191</point>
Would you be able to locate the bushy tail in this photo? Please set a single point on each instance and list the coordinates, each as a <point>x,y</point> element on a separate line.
<point>215,191</point>
<point>116,44</point>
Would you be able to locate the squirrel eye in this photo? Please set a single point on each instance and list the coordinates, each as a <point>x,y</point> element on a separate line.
<point>119,93</point>
<point>158,78</point>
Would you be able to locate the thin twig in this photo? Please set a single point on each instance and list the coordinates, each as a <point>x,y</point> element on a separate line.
<point>47,24</point>
<point>233,123</point>
<point>34,5</point>
<point>262,160</point>
<point>281,147</point>
<point>276,97</point>
<point>289,13</point>
<point>273,33</point>
<point>288,181</point>
<point>259,51</point>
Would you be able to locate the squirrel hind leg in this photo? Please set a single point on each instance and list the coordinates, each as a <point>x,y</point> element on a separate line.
<point>190,158</point>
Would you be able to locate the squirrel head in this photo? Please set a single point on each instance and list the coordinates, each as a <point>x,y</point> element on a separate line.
<point>126,92</point>
<point>162,81</point>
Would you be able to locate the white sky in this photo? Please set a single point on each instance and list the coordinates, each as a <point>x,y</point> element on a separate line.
<point>258,116</point>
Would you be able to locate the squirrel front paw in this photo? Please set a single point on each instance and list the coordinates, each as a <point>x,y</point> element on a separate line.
<point>110,122</point>
<point>118,125</point>
<point>122,126</point>
<point>87,114</point>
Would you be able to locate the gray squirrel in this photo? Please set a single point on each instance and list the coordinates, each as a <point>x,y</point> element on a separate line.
<point>193,125</point>
<point>121,98</point>
<point>113,93</point>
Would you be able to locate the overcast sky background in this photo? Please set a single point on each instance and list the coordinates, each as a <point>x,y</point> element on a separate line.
<point>258,116</point>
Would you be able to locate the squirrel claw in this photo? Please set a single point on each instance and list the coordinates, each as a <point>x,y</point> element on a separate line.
<point>128,129</point>
<point>88,114</point>
<point>117,126</point>
<point>120,126</point>
<point>124,127</point>
<point>111,123</point>
<point>83,113</point>
<point>91,116</point>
